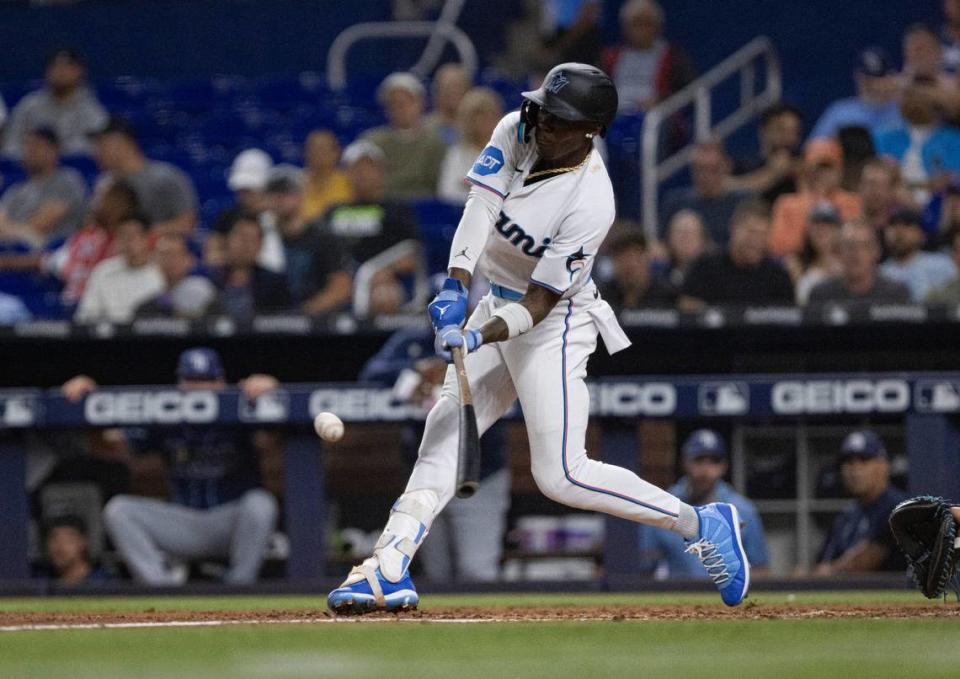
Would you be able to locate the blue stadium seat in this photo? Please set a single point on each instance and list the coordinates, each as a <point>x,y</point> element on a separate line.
<point>623,163</point>
<point>438,222</point>
<point>13,92</point>
<point>85,165</point>
<point>284,92</point>
<point>10,172</point>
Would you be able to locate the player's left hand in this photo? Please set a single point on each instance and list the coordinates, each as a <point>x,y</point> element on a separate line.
<point>449,307</point>
<point>451,336</point>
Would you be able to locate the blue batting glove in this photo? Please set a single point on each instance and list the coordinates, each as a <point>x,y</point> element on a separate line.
<point>449,307</point>
<point>452,336</point>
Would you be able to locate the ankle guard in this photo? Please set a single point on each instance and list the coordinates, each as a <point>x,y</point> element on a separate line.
<point>410,520</point>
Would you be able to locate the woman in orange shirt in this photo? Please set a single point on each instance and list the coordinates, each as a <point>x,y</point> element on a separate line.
<point>823,169</point>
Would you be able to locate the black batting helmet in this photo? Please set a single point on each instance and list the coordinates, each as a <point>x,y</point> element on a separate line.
<point>577,92</point>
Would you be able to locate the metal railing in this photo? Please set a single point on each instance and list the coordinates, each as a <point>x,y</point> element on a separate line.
<point>439,33</point>
<point>363,279</point>
<point>752,103</point>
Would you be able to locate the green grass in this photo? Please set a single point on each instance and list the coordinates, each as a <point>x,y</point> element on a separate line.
<point>818,648</point>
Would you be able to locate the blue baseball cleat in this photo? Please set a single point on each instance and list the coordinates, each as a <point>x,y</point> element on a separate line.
<point>365,591</point>
<point>720,549</point>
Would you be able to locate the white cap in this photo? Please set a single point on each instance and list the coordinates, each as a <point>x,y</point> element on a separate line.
<point>400,80</point>
<point>250,170</point>
<point>362,149</point>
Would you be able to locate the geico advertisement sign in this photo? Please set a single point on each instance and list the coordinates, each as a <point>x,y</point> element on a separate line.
<point>151,407</point>
<point>628,399</point>
<point>362,404</point>
<point>840,396</point>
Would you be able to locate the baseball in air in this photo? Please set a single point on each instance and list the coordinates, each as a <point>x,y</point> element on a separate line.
<point>328,426</point>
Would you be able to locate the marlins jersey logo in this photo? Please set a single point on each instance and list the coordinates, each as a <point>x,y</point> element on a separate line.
<point>576,261</point>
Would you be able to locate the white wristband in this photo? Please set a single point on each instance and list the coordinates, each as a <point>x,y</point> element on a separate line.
<point>517,318</point>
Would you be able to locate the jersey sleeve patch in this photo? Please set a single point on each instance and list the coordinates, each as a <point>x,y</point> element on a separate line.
<point>489,162</point>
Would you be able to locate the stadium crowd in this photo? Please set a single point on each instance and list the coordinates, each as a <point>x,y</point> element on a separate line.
<point>863,207</point>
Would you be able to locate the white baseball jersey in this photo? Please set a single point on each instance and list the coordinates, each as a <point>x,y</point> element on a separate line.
<point>550,227</point>
<point>548,233</point>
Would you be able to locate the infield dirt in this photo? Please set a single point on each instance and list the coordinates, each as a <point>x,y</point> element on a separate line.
<point>748,611</point>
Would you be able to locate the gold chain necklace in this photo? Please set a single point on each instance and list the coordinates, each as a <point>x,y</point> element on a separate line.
<point>558,170</point>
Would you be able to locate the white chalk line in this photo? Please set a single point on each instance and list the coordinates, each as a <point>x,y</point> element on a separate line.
<point>270,621</point>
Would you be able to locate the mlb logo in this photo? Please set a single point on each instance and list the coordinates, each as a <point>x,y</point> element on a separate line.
<point>18,411</point>
<point>937,396</point>
<point>723,398</point>
<point>273,406</point>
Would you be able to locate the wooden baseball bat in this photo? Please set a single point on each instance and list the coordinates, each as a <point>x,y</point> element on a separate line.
<point>468,452</point>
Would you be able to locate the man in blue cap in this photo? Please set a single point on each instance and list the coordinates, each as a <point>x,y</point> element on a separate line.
<point>876,106</point>
<point>705,464</point>
<point>860,539</point>
<point>217,509</point>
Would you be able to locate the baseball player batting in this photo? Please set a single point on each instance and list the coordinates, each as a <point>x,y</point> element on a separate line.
<point>539,208</point>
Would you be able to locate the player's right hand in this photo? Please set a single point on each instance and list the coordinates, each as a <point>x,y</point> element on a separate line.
<point>451,337</point>
<point>449,307</point>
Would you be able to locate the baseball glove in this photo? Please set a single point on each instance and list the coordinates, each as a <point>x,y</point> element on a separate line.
<point>926,532</point>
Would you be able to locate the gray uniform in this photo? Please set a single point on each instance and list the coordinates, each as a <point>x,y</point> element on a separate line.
<point>155,536</point>
<point>23,199</point>
<point>73,120</point>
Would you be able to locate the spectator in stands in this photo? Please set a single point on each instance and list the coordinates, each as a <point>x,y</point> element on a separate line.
<point>466,541</point>
<point>314,262</point>
<point>218,508</point>
<point>705,463</point>
<point>647,68</point>
<point>187,294</point>
<point>823,168</point>
<point>950,36</point>
<point>923,61</point>
<point>743,273</point>
<point>315,270</point>
<point>49,204</point>
<point>76,259</point>
<point>860,540</point>
<point>820,257</point>
<point>920,271</point>
<point>68,552</point>
<point>686,240</point>
<point>710,196</point>
<point>371,224</point>
<point>879,192</point>
<point>248,180</point>
<point>246,288</point>
<point>3,115</point>
<point>633,285</point>
<point>413,151</point>
<point>926,149</point>
<point>325,184</point>
<point>450,83</point>
<point>65,105</point>
<point>119,284</point>
<point>859,279</point>
<point>949,292</point>
<point>480,111</point>
<point>774,169</point>
<point>165,193</point>
<point>876,105</point>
